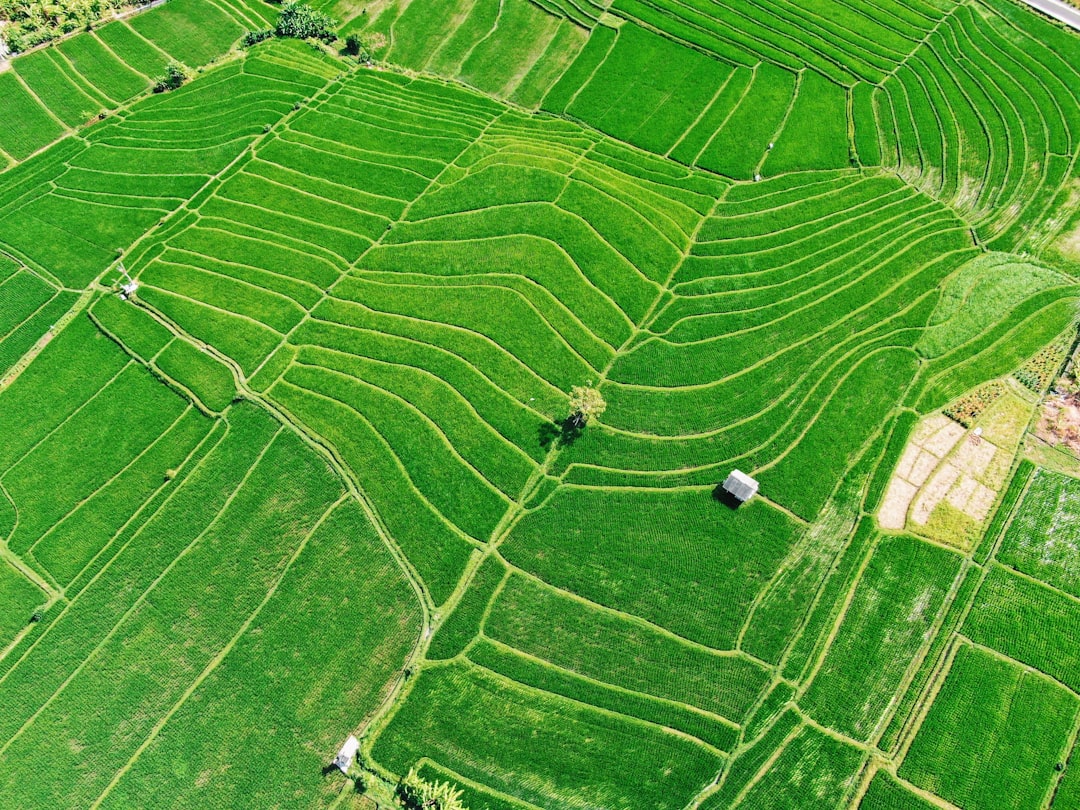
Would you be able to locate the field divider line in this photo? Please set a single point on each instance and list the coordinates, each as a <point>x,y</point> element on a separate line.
<point>424,346</point>
<point>437,326</point>
<point>192,255</point>
<point>1026,668</point>
<point>222,653</point>
<point>182,476</point>
<point>140,600</point>
<point>30,92</point>
<point>607,684</point>
<point>328,293</point>
<point>766,766</point>
<point>214,182</point>
<point>213,307</point>
<point>913,667</point>
<point>920,43</point>
<point>420,496</point>
<point>985,82</point>
<point>910,218</point>
<point>783,272</point>
<point>850,346</point>
<point>30,450</point>
<point>543,240</point>
<point>708,106</point>
<point>30,316</point>
<point>118,58</point>
<point>866,748</point>
<point>460,283</point>
<point>810,337</point>
<point>195,269</point>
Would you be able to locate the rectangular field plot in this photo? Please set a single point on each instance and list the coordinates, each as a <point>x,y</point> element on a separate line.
<point>604,646</point>
<point>191,31</point>
<point>269,695</point>
<point>993,735</point>
<point>537,747</point>
<point>678,559</point>
<point>1030,622</point>
<point>1043,539</point>
<point>648,91</point>
<point>55,89</point>
<point>26,125</point>
<point>892,613</point>
<point>189,584</point>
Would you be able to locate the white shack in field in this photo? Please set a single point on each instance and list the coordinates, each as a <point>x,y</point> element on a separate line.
<point>347,754</point>
<point>740,486</point>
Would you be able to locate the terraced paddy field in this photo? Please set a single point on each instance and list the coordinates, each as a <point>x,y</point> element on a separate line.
<point>315,477</point>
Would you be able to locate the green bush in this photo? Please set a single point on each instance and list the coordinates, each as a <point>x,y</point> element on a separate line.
<point>301,21</point>
<point>175,75</point>
<point>255,37</point>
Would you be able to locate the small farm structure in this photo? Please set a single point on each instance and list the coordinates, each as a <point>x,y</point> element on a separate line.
<point>344,759</point>
<point>740,486</point>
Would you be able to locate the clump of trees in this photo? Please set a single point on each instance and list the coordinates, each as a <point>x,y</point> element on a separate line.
<point>33,22</point>
<point>301,21</point>
<point>175,75</point>
<point>417,793</point>
<point>255,37</point>
<point>363,46</point>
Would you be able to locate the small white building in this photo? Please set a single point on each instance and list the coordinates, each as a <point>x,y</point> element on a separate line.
<point>347,754</point>
<point>740,486</point>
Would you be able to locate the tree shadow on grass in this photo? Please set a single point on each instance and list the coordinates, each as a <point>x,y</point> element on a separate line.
<point>562,434</point>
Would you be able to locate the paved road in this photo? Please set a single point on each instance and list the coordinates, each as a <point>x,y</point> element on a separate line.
<point>1058,10</point>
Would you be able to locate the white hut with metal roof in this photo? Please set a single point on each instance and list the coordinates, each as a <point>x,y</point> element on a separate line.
<point>740,486</point>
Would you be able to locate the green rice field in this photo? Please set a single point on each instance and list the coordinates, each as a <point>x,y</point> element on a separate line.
<point>288,452</point>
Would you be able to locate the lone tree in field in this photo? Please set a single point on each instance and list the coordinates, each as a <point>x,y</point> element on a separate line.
<point>585,404</point>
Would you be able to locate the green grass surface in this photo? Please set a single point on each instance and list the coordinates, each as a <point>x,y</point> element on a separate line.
<point>406,276</point>
<point>1039,540</point>
<point>993,735</point>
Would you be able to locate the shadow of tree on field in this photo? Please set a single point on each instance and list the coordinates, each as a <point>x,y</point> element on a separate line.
<point>563,434</point>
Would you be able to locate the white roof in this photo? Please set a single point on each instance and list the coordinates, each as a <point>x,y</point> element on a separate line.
<point>741,485</point>
<point>345,756</point>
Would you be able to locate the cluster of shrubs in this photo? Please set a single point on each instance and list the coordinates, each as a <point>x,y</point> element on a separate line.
<point>33,22</point>
<point>175,75</point>
<point>298,21</point>
<point>1038,372</point>
<point>971,406</point>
